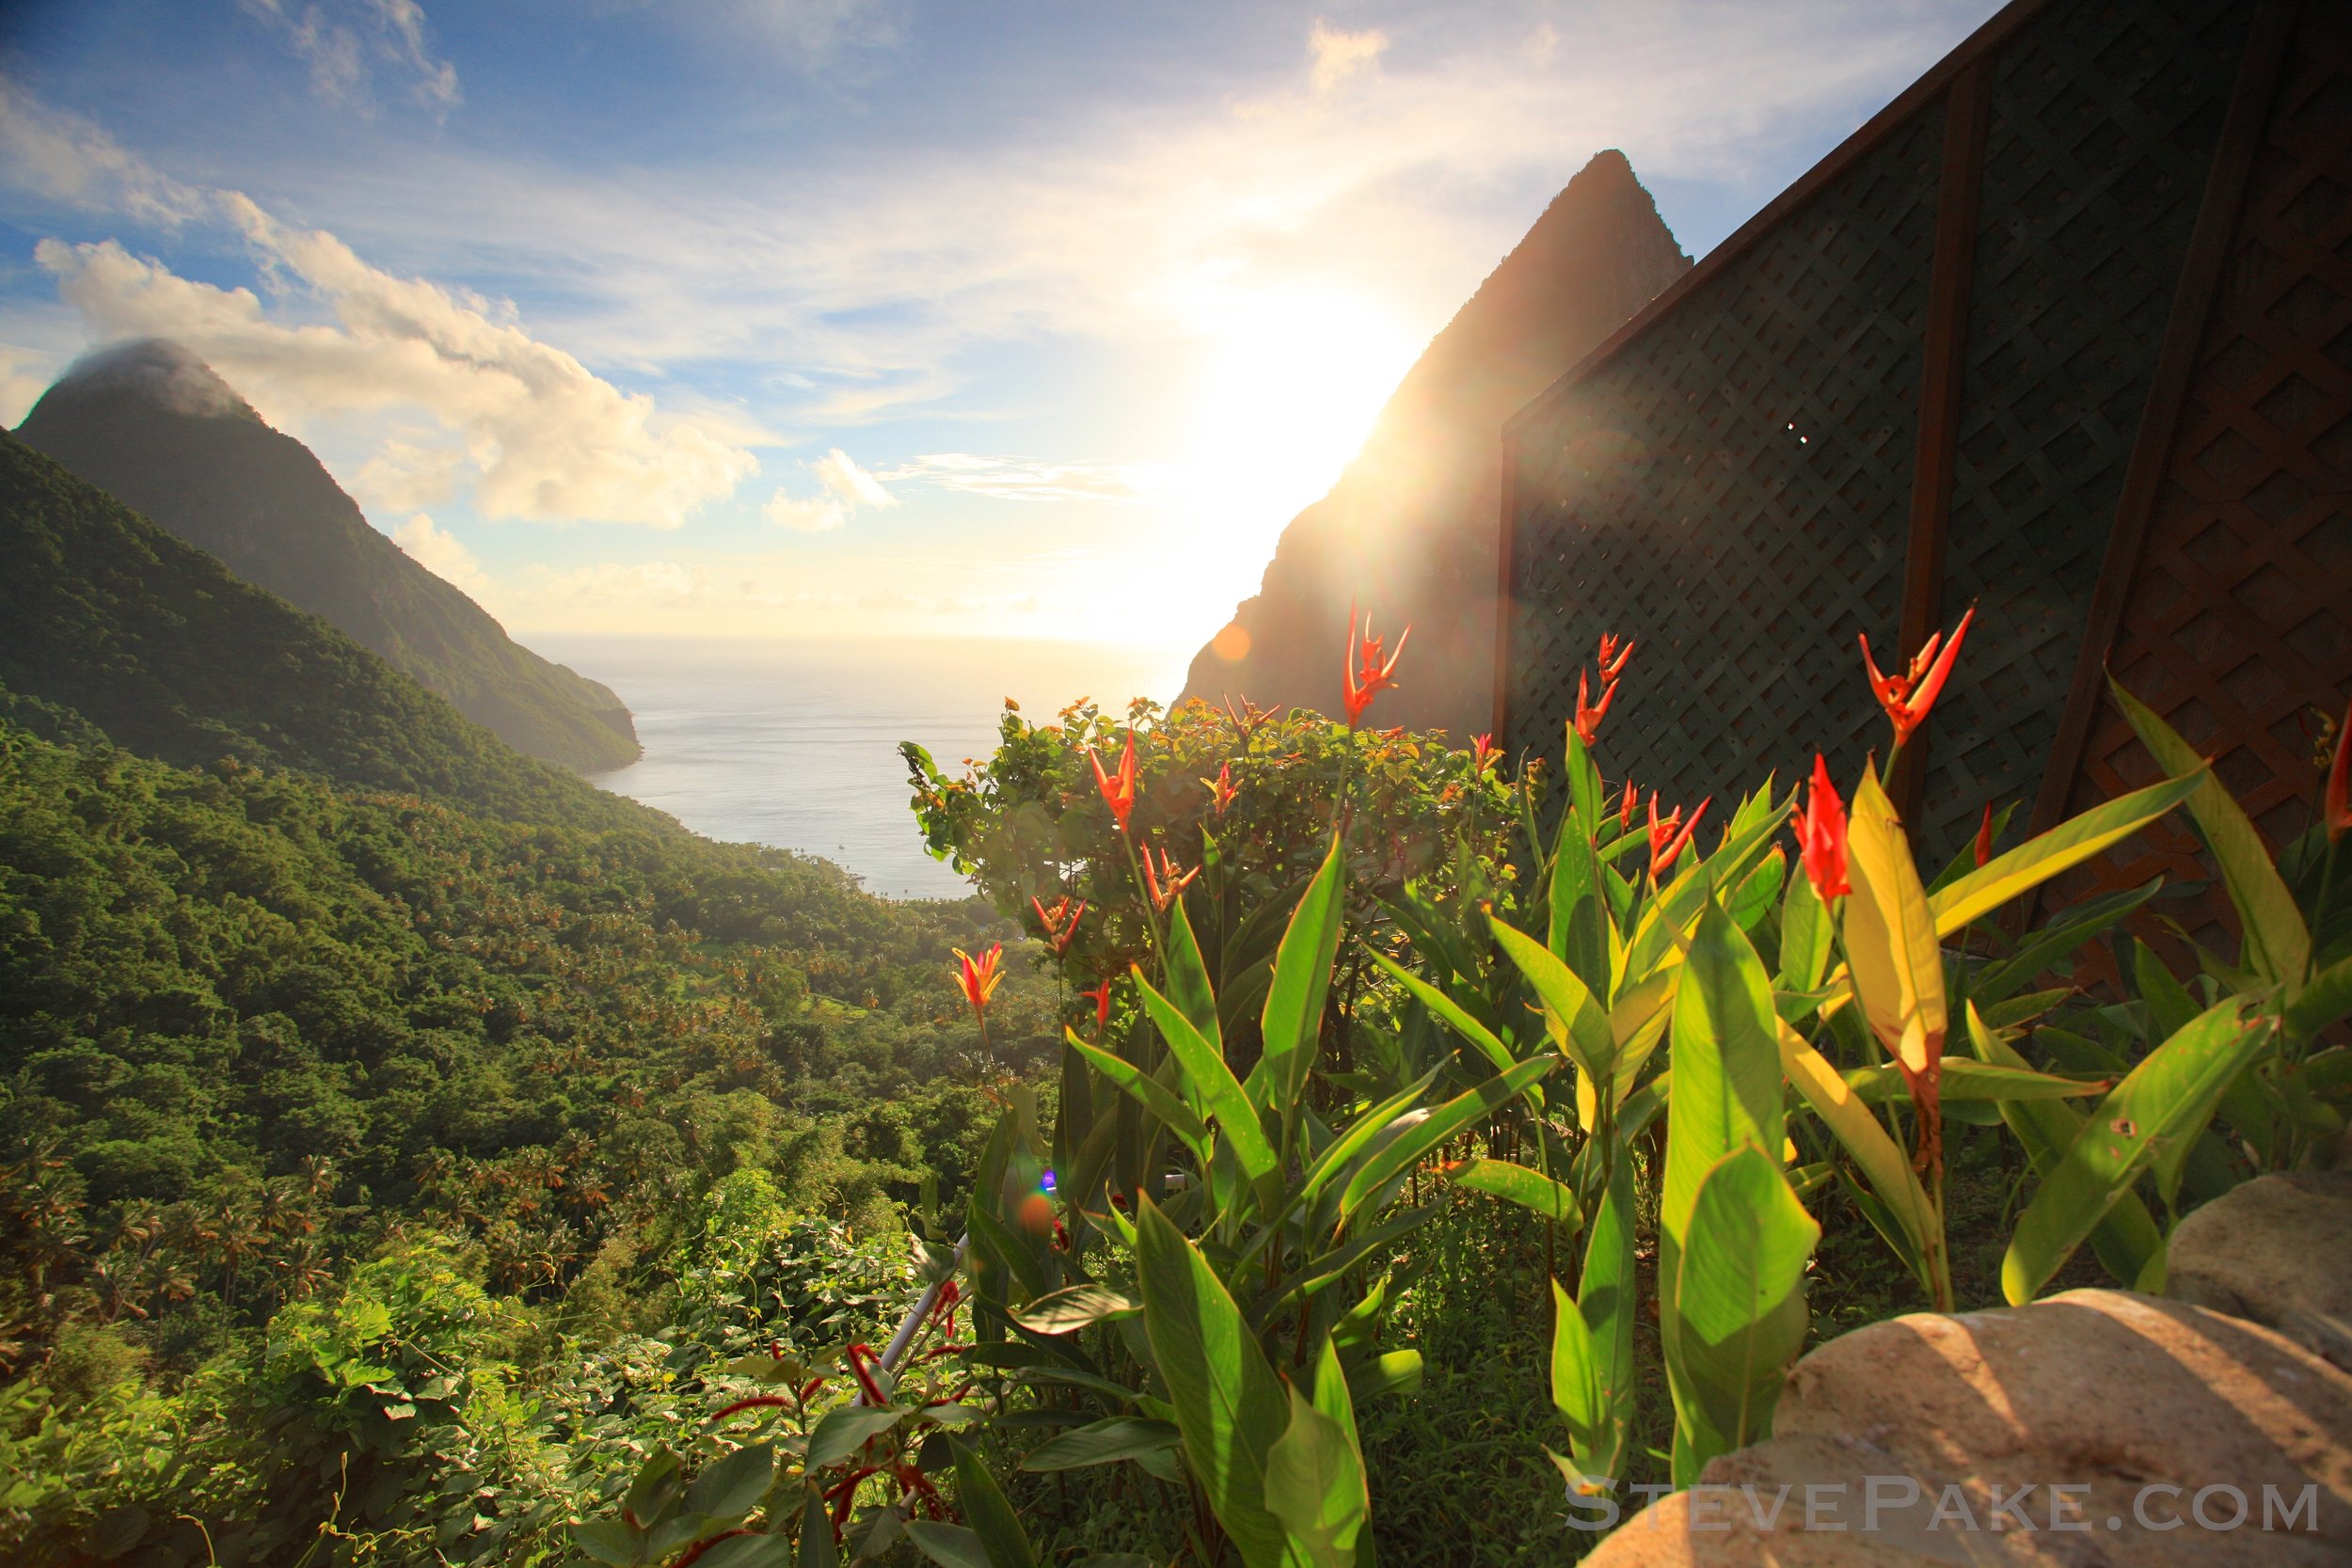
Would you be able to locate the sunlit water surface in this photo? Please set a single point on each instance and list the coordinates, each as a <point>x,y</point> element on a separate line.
<point>796,743</point>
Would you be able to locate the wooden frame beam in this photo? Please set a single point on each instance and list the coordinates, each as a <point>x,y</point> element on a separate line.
<point>1942,374</point>
<point>1506,538</point>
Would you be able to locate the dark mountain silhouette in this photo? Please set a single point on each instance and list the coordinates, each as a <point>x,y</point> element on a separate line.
<point>154,426</point>
<point>108,621</point>
<point>1409,529</point>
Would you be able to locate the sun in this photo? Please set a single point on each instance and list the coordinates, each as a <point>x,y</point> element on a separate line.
<point>1292,381</point>
<point>1289,385</point>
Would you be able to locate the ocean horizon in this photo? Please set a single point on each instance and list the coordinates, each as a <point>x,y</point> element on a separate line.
<point>794,743</point>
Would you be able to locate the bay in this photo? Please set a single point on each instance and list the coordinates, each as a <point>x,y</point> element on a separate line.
<point>795,743</point>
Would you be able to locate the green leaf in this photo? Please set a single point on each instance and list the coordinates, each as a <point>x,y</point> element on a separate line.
<point>2325,1000</point>
<point>1608,1302</point>
<point>1396,1372</point>
<point>2166,1100</point>
<point>1676,911</point>
<point>816,1549</point>
<point>1575,1018</point>
<point>847,1429</point>
<point>1448,1011</point>
<point>1228,1404</point>
<point>1726,1064</point>
<point>950,1545</point>
<point>1579,933</point>
<point>656,1488</point>
<point>1187,978</point>
<point>1727,1094</point>
<point>1076,1306</point>
<point>989,1515</point>
<point>1211,1084</point>
<point>733,1486</point>
<point>1740,1299</point>
<point>609,1541</point>
<point>1575,1372</point>
<point>1903,1203</point>
<point>1332,1395</point>
<point>1105,1442</point>
<point>1360,1132</point>
<point>2068,845</point>
<point>1314,1484</point>
<point>1294,997</point>
<point>1515,1183</point>
<point>1149,1093</point>
<point>2045,947</point>
<point>2278,945</point>
<point>2127,1237</point>
<point>1293,1020</point>
<point>748,1551</point>
<point>1975,1080</point>
<point>1756,892</point>
<point>1403,1151</point>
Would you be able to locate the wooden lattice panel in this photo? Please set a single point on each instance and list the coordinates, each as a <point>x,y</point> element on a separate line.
<point>1729,489</point>
<point>2240,612</point>
<point>2104,122</point>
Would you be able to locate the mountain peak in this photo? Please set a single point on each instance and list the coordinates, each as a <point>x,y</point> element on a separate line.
<point>1410,527</point>
<point>158,371</point>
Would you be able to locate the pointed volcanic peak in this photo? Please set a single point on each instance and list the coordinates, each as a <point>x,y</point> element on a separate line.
<point>1409,529</point>
<point>108,622</point>
<point>154,426</point>
<point>154,372</point>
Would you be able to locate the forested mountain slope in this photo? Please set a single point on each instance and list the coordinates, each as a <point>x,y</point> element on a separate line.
<point>175,657</point>
<point>152,425</point>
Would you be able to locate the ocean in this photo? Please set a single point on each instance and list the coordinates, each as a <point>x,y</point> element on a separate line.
<point>796,743</point>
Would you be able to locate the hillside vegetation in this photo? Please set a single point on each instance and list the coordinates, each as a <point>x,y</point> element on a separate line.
<point>152,425</point>
<point>175,657</point>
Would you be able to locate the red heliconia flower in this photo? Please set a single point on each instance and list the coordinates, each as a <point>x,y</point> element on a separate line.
<point>1483,752</point>
<point>1821,836</point>
<point>1984,836</point>
<point>1367,676</point>
<point>1588,716</point>
<point>1907,697</point>
<point>1118,789</point>
<point>1221,792</point>
<point>1100,996</point>
<point>1061,923</point>
<point>2336,805</point>
<point>1164,882</point>
<point>978,976</point>
<point>1670,835</point>
<point>1625,812</point>
<point>1612,660</point>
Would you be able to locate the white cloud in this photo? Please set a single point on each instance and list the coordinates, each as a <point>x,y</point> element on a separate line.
<point>839,472</point>
<point>1021,479</point>
<point>846,487</point>
<point>610,581</point>
<point>405,474</point>
<point>67,159</point>
<point>1334,54</point>
<point>443,554</point>
<point>342,40</point>
<point>546,437</point>
<point>816,514</point>
<point>25,375</point>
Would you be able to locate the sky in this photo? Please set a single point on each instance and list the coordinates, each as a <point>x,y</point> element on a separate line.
<point>826,318</point>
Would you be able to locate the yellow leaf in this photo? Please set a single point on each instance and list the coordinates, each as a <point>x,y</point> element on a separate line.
<point>1890,934</point>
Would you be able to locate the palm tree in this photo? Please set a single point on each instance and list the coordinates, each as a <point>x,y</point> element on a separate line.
<point>230,1230</point>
